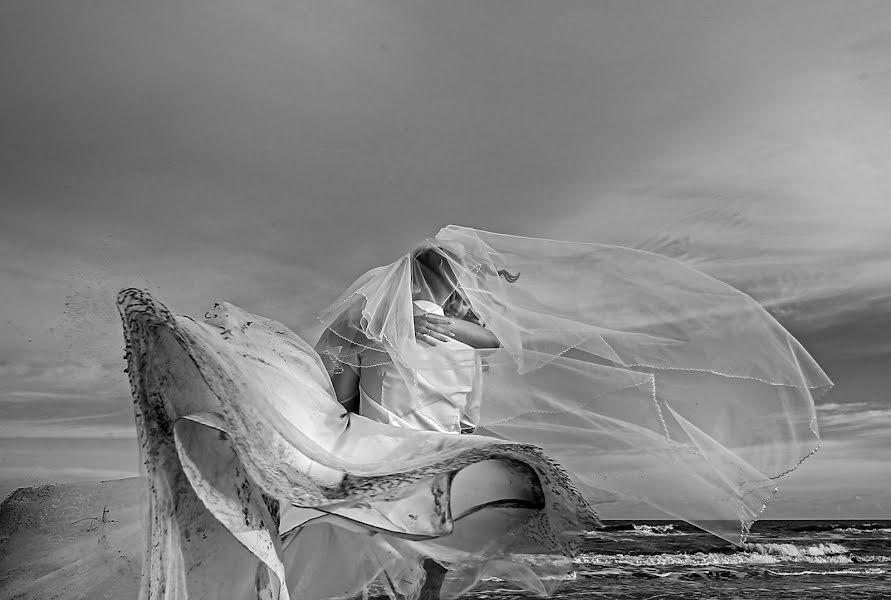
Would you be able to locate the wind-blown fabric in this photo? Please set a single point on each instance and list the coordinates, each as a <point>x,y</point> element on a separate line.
<point>243,440</point>
<point>648,380</point>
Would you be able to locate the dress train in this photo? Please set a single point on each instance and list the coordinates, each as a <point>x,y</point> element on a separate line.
<point>240,433</point>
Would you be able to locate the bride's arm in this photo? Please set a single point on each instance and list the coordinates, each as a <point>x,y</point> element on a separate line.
<point>473,335</point>
<point>442,328</point>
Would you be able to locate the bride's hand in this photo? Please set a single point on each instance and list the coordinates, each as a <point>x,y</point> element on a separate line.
<point>430,328</point>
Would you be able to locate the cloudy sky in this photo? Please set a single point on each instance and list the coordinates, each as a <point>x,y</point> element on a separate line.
<point>269,152</point>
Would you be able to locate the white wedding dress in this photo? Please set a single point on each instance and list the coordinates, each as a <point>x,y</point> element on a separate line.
<point>256,474</point>
<point>450,391</point>
<point>490,501</point>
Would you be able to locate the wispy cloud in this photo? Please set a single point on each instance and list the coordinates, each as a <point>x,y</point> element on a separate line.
<point>63,474</point>
<point>34,396</point>
<point>836,407</point>
<point>60,430</point>
<point>825,282</point>
<point>878,420</point>
<point>857,429</point>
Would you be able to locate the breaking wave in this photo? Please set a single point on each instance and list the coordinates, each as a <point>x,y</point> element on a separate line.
<point>794,551</point>
<point>862,530</point>
<point>840,527</point>
<point>654,529</point>
<point>752,554</point>
<point>867,571</point>
<point>633,528</point>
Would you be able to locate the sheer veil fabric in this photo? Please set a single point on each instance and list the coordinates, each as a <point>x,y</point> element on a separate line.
<point>621,376</point>
<point>647,380</point>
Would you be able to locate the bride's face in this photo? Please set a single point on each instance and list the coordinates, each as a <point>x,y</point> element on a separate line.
<point>456,307</point>
<point>434,273</point>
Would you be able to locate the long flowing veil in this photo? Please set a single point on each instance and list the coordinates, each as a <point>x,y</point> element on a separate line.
<point>648,380</point>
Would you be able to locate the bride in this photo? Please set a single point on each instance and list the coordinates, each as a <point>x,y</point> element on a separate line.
<point>591,376</point>
<point>443,321</point>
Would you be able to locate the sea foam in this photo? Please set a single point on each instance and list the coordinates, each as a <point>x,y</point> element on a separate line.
<point>654,529</point>
<point>867,571</point>
<point>752,554</point>
<point>795,551</point>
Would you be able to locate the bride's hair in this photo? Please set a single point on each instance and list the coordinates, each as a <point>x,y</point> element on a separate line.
<point>437,259</point>
<point>508,276</point>
<point>433,257</point>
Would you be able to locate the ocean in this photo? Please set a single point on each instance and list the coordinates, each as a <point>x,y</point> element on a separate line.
<point>667,560</point>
